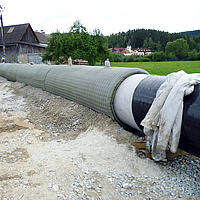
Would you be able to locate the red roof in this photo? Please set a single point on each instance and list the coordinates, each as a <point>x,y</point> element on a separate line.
<point>126,51</point>
<point>117,50</point>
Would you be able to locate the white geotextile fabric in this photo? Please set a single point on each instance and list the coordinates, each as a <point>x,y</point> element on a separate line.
<point>162,123</point>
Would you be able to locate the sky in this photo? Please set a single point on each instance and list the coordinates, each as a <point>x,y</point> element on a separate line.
<point>109,16</point>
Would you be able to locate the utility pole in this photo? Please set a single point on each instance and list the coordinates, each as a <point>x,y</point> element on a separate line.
<point>2,33</point>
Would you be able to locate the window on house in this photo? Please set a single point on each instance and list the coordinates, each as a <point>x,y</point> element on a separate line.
<point>10,30</point>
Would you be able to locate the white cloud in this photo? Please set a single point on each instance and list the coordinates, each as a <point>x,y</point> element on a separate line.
<point>108,16</point>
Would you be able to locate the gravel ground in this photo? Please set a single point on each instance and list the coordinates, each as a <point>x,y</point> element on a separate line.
<point>53,148</point>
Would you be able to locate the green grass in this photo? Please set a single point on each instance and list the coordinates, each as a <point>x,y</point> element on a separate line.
<point>162,68</point>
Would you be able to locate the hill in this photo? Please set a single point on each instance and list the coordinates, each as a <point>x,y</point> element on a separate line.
<point>149,38</point>
<point>192,33</point>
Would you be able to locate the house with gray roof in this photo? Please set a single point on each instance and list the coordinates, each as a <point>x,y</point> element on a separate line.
<point>43,38</point>
<point>21,44</point>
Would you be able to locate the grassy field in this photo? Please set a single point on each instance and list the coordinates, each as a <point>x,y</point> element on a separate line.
<point>162,68</point>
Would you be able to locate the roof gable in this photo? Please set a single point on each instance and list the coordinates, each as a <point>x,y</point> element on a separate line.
<point>126,51</point>
<point>42,37</point>
<point>18,33</point>
<point>117,50</point>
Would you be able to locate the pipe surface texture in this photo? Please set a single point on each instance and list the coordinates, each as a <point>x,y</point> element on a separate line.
<point>124,94</point>
<point>93,87</point>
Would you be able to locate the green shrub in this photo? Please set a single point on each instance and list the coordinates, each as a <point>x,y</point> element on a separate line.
<point>171,57</point>
<point>130,58</point>
<point>192,55</point>
<point>111,57</point>
<point>117,57</point>
<point>142,59</point>
<point>158,56</point>
<point>198,56</point>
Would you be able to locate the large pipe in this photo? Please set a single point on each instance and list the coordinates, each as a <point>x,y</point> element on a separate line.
<point>124,94</point>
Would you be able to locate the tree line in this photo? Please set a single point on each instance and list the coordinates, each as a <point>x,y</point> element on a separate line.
<point>174,51</point>
<point>148,38</point>
<point>94,47</point>
<point>164,45</point>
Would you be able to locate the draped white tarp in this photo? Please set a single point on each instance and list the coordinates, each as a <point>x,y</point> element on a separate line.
<point>162,123</point>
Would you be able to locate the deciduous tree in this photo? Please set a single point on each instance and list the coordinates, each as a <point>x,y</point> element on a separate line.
<point>179,48</point>
<point>78,44</point>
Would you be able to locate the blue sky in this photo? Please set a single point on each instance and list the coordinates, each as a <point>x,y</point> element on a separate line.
<point>108,16</point>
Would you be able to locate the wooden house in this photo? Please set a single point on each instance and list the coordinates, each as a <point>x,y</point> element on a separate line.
<point>21,43</point>
<point>43,38</point>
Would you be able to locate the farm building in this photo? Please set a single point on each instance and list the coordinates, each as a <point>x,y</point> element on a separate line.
<point>21,43</point>
<point>42,37</point>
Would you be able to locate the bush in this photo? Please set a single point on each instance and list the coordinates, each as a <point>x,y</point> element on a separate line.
<point>198,56</point>
<point>111,57</point>
<point>117,57</point>
<point>136,58</point>
<point>192,55</point>
<point>171,57</point>
<point>150,56</point>
<point>179,48</point>
<point>142,59</point>
<point>158,56</point>
<point>145,59</point>
<point>129,58</point>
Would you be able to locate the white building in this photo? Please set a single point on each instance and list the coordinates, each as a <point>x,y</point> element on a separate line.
<point>128,51</point>
<point>142,51</point>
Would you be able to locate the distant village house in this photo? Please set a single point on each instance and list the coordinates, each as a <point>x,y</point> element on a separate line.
<point>129,51</point>
<point>22,44</point>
